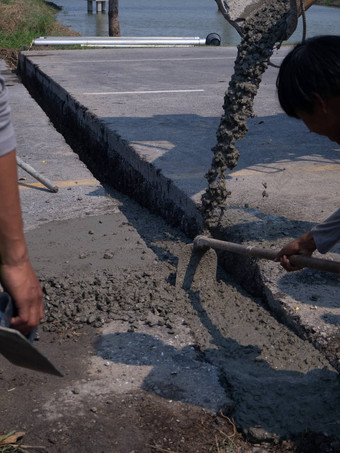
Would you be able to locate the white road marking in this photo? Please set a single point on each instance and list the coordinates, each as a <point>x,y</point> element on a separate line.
<point>141,92</point>
<point>136,60</point>
<point>151,59</point>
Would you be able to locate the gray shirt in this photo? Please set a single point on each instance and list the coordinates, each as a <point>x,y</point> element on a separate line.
<point>7,137</point>
<point>327,233</point>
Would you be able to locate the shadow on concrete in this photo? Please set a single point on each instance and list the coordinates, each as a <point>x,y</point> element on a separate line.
<point>281,402</point>
<point>277,138</point>
<point>331,318</point>
<point>312,288</point>
<point>179,375</point>
<point>100,192</point>
<point>180,145</point>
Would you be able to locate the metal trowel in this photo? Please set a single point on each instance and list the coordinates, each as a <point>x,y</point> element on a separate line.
<point>18,349</point>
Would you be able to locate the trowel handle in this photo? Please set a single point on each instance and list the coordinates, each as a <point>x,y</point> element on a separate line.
<point>249,250</point>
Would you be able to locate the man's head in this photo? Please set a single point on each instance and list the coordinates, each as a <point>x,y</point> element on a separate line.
<point>308,85</point>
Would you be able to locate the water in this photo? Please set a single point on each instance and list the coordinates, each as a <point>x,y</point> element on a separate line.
<point>179,18</point>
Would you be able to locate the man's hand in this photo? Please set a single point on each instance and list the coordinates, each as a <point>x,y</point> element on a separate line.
<point>304,245</point>
<point>22,284</point>
<point>16,273</point>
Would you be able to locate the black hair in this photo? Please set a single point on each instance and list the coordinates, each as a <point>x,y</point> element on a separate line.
<point>312,67</point>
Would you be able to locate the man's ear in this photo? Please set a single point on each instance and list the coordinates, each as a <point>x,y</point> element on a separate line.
<point>320,104</point>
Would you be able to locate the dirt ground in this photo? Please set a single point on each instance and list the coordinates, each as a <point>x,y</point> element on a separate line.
<point>149,367</point>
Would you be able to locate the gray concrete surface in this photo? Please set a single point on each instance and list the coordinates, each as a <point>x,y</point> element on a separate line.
<point>154,113</point>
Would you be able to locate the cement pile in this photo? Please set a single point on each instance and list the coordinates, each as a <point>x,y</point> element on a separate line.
<point>261,32</point>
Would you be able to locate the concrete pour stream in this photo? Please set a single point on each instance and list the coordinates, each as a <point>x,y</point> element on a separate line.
<point>259,35</point>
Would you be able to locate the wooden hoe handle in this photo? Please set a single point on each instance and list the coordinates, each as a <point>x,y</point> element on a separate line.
<point>248,250</point>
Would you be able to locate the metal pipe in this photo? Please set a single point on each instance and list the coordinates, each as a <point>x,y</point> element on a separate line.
<point>116,38</point>
<point>118,42</point>
<point>46,182</point>
<point>134,46</point>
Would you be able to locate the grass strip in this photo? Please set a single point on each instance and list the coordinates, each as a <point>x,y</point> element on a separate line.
<point>21,21</point>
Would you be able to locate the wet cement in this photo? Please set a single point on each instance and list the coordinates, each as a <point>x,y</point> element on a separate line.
<point>260,33</point>
<point>272,383</point>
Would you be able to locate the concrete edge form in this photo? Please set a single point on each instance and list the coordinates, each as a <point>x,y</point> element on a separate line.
<point>111,159</point>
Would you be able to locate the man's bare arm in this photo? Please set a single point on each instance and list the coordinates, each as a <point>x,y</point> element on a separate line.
<point>16,274</point>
